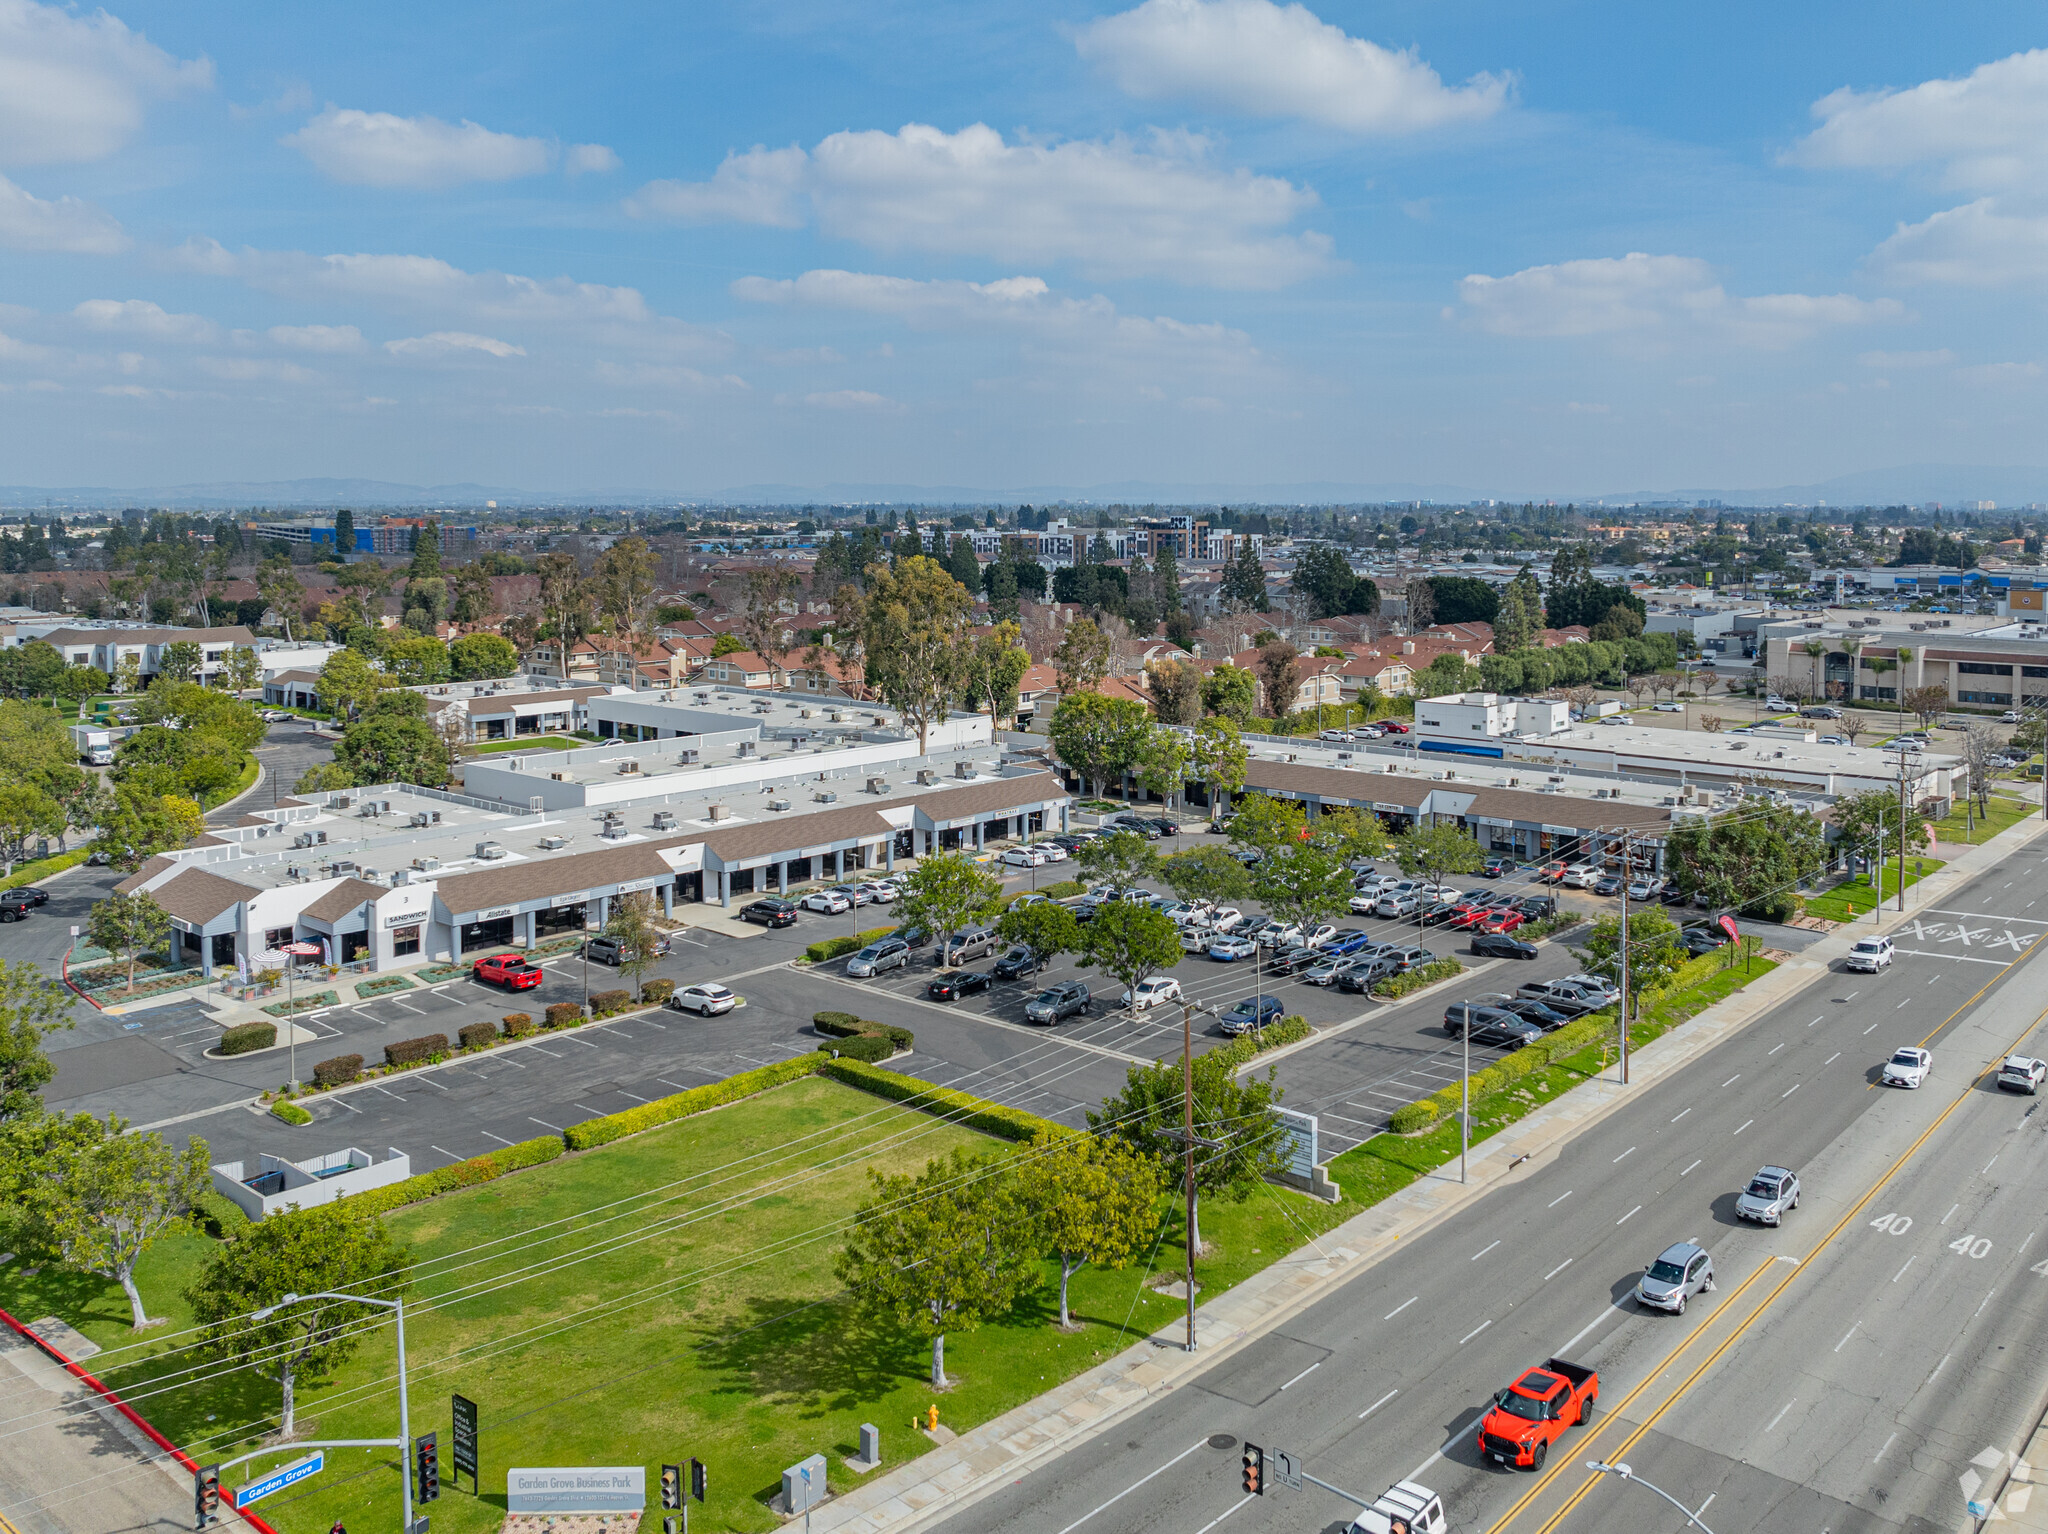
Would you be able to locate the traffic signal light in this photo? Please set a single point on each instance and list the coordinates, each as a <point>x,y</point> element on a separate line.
<point>205,1496</point>
<point>671,1487</point>
<point>1254,1470</point>
<point>427,1462</point>
<point>698,1479</point>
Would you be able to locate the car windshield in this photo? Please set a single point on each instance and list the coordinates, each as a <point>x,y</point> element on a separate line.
<point>1905,1057</point>
<point>1669,1272</point>
<point>869,953</point>
<point>1521,1406</point>
<point>715,992</point>
<point>1763,1187</point>
<point>1866,948</point>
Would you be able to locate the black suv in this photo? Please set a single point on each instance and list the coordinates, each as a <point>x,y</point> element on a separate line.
<point>16,904</point>
<point>1015,964</point>
<point>770,913</point>
<point>1056,1003</point>
<point>1489,1025</point>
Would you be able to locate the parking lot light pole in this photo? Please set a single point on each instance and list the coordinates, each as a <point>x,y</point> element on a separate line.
<point>1629,1475</point>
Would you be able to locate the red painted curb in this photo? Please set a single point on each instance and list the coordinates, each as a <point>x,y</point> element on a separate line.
<point>133,1416</point>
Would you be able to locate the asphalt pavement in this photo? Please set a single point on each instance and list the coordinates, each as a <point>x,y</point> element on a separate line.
<point>1853,1400</point>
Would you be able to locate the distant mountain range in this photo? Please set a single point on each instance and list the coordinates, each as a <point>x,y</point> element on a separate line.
<point>1909,484</point>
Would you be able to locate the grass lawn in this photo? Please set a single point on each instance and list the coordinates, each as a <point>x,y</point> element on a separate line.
<point>2006,811</point>
<point>703,1319</point>
<point>1846,902</point>
<point>531,743</point>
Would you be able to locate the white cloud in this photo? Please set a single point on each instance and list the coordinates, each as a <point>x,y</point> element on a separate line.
<point>1267,60</point>
<point>254,370</point>
<point>1988,130</point>
<point>1975,245</point>
<point>2000,375</point>
<point>443,343</point>
<point>644,375</point>
<point>140,317</point>
<point>851,399</point>
<point>77,228</point>
<point>1109,206</point>
<point>1895,361</point>
<point>318,338</point>
<point>73,87</point>
<point>921,302</point>
<point>381,149</point>
<point>803,356</point>
<point>590,160</point>
<point>1641,295</point>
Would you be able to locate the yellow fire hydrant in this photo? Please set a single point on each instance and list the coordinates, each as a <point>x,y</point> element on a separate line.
<point>931,1424</point>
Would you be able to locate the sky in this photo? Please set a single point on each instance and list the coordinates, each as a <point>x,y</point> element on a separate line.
<point>1531,249</point>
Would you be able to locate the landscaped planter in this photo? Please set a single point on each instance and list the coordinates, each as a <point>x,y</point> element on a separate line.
<point>303,1004</point>
<point>383,985</point>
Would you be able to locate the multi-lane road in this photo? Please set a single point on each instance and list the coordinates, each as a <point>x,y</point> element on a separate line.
<point>1848,1370</point>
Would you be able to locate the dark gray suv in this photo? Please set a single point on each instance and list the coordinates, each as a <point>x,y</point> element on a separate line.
<point>1056,1003</point>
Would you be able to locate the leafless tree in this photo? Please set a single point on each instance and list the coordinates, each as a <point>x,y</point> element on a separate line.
<point>1981,746</point>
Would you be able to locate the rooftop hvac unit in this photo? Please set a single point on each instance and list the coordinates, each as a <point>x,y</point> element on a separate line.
<point>345,866</point>
<point>422,818</point>
<point>778,804</point>
<point>320,837</point>
<point>826,796</point>
<point>1514,782</point>
<point>614,831</point>
<point>664,820</point>
<point>876,717</point>
<point>966,769</point>
<point>343,801</point>
<point>628,769</point>
<point>559,777</point>
<point>836,717</point>
<point>746,748</point>
<point>1291,756</point>
<point>687,757</point>
<point>368,810</point>
<point>1343,756</point>
<point>553,843</point>
<point>926,776</point>
<point>426,865</point>
<point>436,814</point>
<point>490,852</point>
<point>293,871</point>
<point>400,876</point>
<point>303,839</point>
<point>878,785</point>
<point>801,713</point>
<point>1557,777</point>
<point>716,812</point>
<point>703,697</point>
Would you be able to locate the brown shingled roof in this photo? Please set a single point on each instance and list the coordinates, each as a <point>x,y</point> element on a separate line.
<point>768,837</point>
<point>516,882</point>
<point>197,896</point>
<point>986,798</point>
<point>342,899</point>
<point>1516,804</point>
<point>144,874</point>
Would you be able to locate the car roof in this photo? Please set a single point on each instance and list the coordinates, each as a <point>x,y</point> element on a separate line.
<point>1680,1252</point>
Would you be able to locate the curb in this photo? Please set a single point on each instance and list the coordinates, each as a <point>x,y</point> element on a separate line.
<point>1002,1450</point>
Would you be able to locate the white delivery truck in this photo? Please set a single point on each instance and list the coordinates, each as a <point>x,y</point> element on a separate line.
<point>1422,1509</point>
<point>95,744</point>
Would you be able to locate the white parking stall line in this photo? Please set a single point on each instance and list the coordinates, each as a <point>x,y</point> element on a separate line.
<point>448,1153</point>
<point>489,1136</point>
<point>548,1052</point>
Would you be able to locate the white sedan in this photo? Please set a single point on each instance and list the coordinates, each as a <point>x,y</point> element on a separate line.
<point>880,891</point>
<point>1908,1067</point>
<point>1023,857</point>
<point>1053,852</point>
<point>707,1000</point>
<point>831,902</point>
<point>1151,993</point>
<point>1669,708</point>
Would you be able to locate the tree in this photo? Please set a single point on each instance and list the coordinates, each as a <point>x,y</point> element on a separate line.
<point>1655,951</point>
<point>1082,659</point>
<point>916,627</point>
<point>329,1249</point>
<point>1437,852</point>
<point>1094,1201</point>
<point>1465,599</point>
<point>178,661</point>
<point>1519,622</point>
<point>418,662</point>
<point>1448,673</point>
<point>630,924</point>
<point>1131,941</point>
<point>1120,859</point>
<point>945,892</point>
<point>365,585</point>
<point>473,600</point>
<point>1279,667</point>
<point>1244,582</point>
<point>1242,1140</point>
<point>564,598</point>
<point>1206,874</point>
<point>762,621</point>
<point>479,657</point>
<point>243,671</point>
<point>1232,693</point>
<point>1166,579</point>
<point>1751,858</point>
<point>992,669</point>
<point>1926,703</point>
<point>280,591</point>
<point>347,684</point>
<point>426,552</point>
<point>1100,738</point>
<point>1302,875</point>
<point>31,1007</point>
<point>1324,576</point>
<point>1163,764</point>
<point>1046,927</point>
<point>1220,757</point>
<point>103,1193</point>
<point>393,742</point>
<point>727,644</point>
<point>943,1251</point>
<point>1421,602</point>
<point>1176,689</point>
<point>136,826</point>
<point>622,585</point>
<point>25,813</point>
<point>344,534</point>
<point>128,926</point>
<point>961,561</point>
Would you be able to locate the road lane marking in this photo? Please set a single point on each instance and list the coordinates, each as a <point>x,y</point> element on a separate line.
<point>1831,1059</point>
<point>1909,1263</point>
<point>1069,1529</point>
<point>1732,1079</point>
<point>448,1153</point>
<point>1303,1375</point>
<point>1952,1208</point>
<point>1774,1049</point>
<point>1681,1114</point>
<point>1814,1021</point>
<point>1781,1414</point>
<point>1557,1270</point>
<point>1382,1401</point>
<point>1745,1124</point>
<point>1400,1307</point>
<point>1788,1091</point>
<point>1630,1215</point>
<point>1937,1369</point>
<point>1842,1344</point>
<point>1624,1155</point>
<point>1688,1169</point>
<point>624,1093</point>
<point>1987,1166</point>
<point>1980,1309</point>
<point>1482,1326</point>
<point>1473,1258</point>
<point>1887,1444</point>
<point>1236,1507</point>
<point>1559,1199</point>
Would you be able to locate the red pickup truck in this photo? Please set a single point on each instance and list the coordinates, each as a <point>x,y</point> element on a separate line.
<point>1532,1414</point>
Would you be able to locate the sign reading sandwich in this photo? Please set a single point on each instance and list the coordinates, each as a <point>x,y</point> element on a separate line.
<point>583,1489</point>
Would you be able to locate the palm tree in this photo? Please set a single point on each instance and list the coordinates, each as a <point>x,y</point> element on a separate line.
<point>1879,668</point>
<point>1815,649</point>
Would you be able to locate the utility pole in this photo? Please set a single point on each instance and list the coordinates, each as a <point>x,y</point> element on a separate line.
<point>1902,829</point>
<point>1187,1081</point>
<point>1465,1099</point>
<point>1625,872</point>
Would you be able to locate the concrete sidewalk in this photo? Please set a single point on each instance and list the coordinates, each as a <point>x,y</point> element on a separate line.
<point>998,1452</point>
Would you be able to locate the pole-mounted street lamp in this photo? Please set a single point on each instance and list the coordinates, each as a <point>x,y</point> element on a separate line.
<point>1629,1475</point>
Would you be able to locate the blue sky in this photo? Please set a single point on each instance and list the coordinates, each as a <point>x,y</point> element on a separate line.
<point>1533,249</point>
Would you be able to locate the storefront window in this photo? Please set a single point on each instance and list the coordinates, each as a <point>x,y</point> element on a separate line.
<point>487,934</point>
<point>404,941</point>
<point>563,918</point>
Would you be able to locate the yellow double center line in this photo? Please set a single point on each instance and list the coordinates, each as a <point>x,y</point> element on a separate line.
<point>1735,1336</point>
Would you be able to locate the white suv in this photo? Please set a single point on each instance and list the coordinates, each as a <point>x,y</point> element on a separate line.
<point>1870,955</point>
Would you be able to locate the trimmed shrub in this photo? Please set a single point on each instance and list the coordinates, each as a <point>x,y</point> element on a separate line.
<point>412,1051</point>
<point>957,1107</point>
<point>517,1025</point>
<point>655,993</point>
<point>247,1037</point>
<point>833,947</point>
<point>1284,1030</point>
<point>1413,1118</point>
<point>564,1014</point>
<point>290,1113</point>
<point>447,1179</point>
<point>478,1035</point>
<point>900,1036</point>
<point>837,1024</point>
<point>604,1003</point>
<point>1416,979</point>
<point>1065,889</point>
<point>666,1110</point>
<point>342,1068</point>
<point>869,1047</point>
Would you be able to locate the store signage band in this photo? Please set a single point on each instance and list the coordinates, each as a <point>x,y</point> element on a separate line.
<point>404,918</point>
<point>495,912</point>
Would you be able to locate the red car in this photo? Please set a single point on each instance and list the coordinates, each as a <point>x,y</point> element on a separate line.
<point>1395,727</point>
<point>509,970</point>
<point>1502,921</point>
<point>1469,916</point>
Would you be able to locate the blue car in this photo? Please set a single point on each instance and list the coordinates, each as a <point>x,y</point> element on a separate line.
<point>1248,1014</point>
<point>1345,943</point>
<point>1230,949</point>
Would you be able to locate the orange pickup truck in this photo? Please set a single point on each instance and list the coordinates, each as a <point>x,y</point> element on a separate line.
<point>1532,1414</point>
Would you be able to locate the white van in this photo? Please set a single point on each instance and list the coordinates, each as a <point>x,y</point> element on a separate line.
<point>1423,1509</point>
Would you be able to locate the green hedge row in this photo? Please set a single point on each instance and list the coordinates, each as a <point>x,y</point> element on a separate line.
<point>605,1003</point>
<point>249,1036</point>
<point>1286,1030</point>
<point>974,1112</point>
<point>290,1113</point>
<point>1416,979</point>
<point>464,1174</point>
<point>833,947</point>
<point>873,1048</point>
<point>1509,1069</point>
<point>666,1110</point>
<point>844,1025</point>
